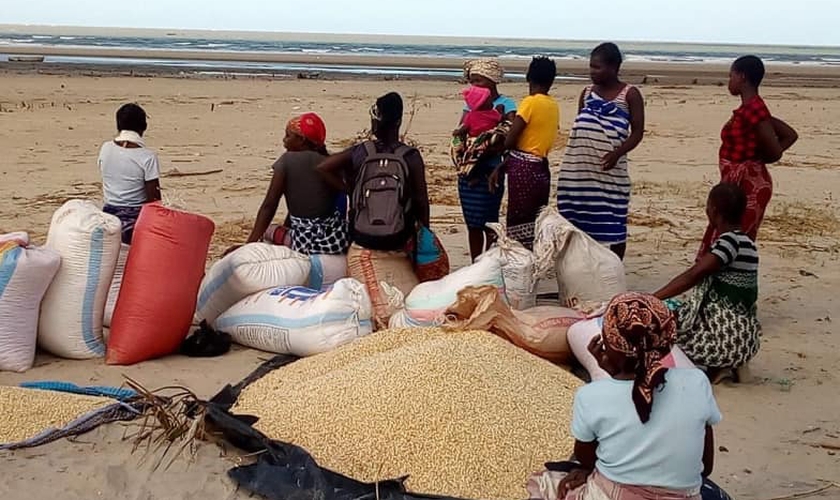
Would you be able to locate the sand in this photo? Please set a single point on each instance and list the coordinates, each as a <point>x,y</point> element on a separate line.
<point>51,127</point>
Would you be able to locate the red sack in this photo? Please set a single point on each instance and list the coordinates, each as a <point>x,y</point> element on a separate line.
<point>160,285</point>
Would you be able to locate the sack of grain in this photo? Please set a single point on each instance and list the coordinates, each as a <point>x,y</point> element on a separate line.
<point>374,267</point>
<point>431,261</point>
<point>116,283</point>
<point>160,285</point>
<point>298,320</point>
<point>250,269</point>
<point>426,304</point>
<point>88,241</point>
<point>405,403</point>
<point>325,270</point>
<point>25,274</point>
<point>518,268</point>
<point>539,330</point>
<point>587,272</point>
<point>581,334</point>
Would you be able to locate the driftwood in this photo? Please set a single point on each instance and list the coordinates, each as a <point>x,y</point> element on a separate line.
<point>177,173</point>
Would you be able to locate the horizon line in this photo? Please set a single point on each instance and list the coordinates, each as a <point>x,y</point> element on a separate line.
<point>477,38</point>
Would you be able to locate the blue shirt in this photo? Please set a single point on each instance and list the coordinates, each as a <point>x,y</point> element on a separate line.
<point>505,102</point>
<point>667,451</point>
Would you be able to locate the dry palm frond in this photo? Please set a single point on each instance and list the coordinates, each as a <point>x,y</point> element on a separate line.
<point>412,112</point>
<point>173,420</point>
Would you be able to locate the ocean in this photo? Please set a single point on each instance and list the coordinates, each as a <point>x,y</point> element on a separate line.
<point>348,45</point>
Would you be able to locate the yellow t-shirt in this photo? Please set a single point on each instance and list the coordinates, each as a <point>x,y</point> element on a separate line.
<point>542,116</point>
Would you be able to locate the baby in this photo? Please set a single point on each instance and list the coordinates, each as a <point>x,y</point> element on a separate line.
<point>478,127</point>
<point>481,116</point>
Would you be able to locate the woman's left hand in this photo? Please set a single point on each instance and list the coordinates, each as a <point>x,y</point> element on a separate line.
<point>574,480</point>
<point>610,160</point>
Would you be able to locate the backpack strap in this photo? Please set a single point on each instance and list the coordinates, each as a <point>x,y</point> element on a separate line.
<point>403,151</point>
<point>370,148</point>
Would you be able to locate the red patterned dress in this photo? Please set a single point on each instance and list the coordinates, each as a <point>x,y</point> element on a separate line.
<point>741,164</point>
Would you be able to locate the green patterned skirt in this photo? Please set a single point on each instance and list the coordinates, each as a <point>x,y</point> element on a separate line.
<point>715,331</point>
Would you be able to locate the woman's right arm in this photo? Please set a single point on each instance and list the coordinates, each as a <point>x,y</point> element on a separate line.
<point>268,208</point>
<point>709,452</point>
<point>332,169</point>
<point>708,265</point>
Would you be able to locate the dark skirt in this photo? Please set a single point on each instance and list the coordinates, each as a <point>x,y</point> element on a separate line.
<point>529,186</point>
<point>128,218</point>
<point>480,205</point>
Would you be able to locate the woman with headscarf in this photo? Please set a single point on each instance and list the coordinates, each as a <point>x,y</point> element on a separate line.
<point>646,432</point>
<point>480,201</point>
<point>317,222</point>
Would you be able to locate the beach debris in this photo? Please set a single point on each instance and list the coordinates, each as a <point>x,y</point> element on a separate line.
<point>174,172</point>
<point>173,421</point>
<point>827,485</point>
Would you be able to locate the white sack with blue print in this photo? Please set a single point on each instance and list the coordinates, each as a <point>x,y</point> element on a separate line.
<point>88,241</point>
<point>300,321</point>
<point>247,270</point>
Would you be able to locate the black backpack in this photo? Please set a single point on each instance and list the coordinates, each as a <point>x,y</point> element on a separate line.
<point>381,198</point>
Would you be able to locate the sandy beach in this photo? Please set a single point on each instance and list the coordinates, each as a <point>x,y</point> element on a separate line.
<point>771,440</point>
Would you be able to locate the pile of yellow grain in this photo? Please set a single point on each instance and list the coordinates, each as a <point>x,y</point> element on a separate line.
<point>463,414</point>
<point>25,413</point>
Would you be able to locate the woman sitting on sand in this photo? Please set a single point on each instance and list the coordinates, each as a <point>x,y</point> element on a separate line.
<point>481,202</point>
<point>750,140</point>
<point>717,324</point>
<point>647,431</point>
<point>317,222</point>
<point>593,191</point>
<point>130,171</point>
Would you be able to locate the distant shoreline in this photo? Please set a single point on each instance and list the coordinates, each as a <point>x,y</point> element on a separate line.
<point>339,66</point>
<point>56,30</point>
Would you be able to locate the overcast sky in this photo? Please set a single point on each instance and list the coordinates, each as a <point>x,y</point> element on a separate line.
<point>807,22</point>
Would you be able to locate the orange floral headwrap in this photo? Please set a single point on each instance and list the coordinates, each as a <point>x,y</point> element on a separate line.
<point>641,327</point>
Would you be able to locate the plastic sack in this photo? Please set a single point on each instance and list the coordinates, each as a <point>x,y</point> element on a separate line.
<point>539,330</point>
<point>581,334</point>
<point>88,241</point>
<point>519,269</point>
<point>587,272</point>
<point>426,305</point>
<point>374,267</point>
<point>19,237</point>
<point>249,269</point>
<point>430,259</point>
<point>116,283</point>
<point>25,275</point>
<point>160,285</point>
<point>298,320</point>
<point>325,270</point>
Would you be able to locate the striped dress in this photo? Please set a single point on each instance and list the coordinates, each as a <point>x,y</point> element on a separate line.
<point>594,200</point>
